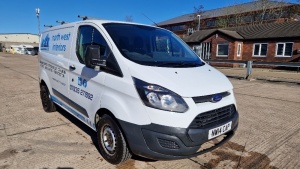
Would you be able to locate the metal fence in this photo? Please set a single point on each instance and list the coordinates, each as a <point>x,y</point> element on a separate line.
<point>249,64</point>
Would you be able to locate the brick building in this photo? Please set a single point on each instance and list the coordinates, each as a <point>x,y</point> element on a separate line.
<point>272,42</point>
<point>255,12</point>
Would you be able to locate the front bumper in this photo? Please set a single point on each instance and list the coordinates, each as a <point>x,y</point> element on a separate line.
<point>162,142</point>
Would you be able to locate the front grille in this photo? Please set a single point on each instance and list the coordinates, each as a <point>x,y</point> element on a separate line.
<point>209,98</point>
<point>213,116</point>
<point>168,144</point>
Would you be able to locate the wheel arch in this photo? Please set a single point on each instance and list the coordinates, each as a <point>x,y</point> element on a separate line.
<point>104,111</point>
<point>44,80</point>
<point>100,113</point>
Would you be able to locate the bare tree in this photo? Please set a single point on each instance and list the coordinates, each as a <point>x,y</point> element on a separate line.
<point>197,11</point>
<point>129,18</point>
<point>224,20</point>
<point>269,10</point>
<point>263,11</point>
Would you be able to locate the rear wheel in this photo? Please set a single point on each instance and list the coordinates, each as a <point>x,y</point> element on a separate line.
<point>111,141</point>
<point>47,103</point>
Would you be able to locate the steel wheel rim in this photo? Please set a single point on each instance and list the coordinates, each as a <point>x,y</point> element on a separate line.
<point>108,139</point>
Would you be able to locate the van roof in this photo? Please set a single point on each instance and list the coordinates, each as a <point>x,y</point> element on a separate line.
<point>96,21</point>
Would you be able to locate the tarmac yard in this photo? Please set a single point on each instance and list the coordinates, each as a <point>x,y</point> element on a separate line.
<point>267,137</point>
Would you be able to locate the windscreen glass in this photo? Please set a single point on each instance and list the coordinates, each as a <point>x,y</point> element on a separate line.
<point>151,46</point>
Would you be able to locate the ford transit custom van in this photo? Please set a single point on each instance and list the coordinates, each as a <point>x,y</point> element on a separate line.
<point>141,88</point>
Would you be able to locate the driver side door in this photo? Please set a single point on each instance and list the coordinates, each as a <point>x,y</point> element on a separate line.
<point>86,84</point>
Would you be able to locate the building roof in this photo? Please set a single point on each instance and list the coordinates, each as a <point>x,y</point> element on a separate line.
<point>199,35</point>
<point>230,10</point>
<point>232,33</point>
<point>269,30</point>
<point>251,32</point>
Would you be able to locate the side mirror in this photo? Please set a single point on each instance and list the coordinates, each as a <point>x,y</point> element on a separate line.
<point>93,57</point>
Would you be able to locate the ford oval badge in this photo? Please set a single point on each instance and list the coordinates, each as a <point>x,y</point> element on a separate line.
<point>216,98</point>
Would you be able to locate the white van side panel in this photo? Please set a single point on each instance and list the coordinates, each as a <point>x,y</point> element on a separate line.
<point>55,52</point>
<point>55,49</point>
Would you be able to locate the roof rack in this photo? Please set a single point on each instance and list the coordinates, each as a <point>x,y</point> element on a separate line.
<point>61,22</point>
<point>83,17</point>
<point>87,17</point>
<point>49,26</point>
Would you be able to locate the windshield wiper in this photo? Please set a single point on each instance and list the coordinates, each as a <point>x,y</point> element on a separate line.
<point>179,64</point>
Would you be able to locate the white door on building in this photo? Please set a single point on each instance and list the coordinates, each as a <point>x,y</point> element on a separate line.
<point>203,50</point>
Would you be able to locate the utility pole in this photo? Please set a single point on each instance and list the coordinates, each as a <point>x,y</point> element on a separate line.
<point>199,17</point>
<point>37,11</point>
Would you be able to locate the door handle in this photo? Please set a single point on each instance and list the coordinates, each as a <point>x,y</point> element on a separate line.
<point>72,67</point>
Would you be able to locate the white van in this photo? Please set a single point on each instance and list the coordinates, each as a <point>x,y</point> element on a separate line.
<point>22,49</point>
<point>19,49</point>
<point>140,87</point>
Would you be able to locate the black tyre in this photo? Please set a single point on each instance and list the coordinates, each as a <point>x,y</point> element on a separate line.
<point>47,103</point>
<point>112,144</point>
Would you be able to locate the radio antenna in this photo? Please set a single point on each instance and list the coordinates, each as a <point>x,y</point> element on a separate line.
<point>150,19</point>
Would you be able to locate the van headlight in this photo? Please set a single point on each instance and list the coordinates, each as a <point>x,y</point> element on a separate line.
<point>160,98</point>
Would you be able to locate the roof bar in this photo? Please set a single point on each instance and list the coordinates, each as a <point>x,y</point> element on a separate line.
<point>49,26</point>
<point>83,17</point>
<point>61,22</point>
<point>87,18</point>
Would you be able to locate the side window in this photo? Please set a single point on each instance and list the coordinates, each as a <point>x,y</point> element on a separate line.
<point>88,35</point>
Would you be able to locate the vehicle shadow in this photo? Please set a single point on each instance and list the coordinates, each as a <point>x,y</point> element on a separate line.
<point>92,133</point>
<point>80,125</point>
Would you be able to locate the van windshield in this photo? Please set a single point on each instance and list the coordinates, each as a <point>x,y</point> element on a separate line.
<point>152,46</point>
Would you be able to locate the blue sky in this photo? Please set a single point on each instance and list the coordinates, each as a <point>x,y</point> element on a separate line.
<point>18,16</point>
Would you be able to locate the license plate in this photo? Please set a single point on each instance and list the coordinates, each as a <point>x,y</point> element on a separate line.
<point>215,132</point>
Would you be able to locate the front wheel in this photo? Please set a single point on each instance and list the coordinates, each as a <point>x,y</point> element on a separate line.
<point>111,141</point>
<point>47,103</point>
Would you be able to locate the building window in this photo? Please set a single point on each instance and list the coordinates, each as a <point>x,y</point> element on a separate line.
<point>239,50</point>
<point>222,50</point>
<point>260,49</point>
<point>211,23</point>
<point>176,27</point>
<point>284,49</point>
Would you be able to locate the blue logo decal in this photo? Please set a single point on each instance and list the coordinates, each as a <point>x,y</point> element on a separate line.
<point>79,81</point>
<point>216,98</point>
<point>84,83</point>
<point>45,43</point>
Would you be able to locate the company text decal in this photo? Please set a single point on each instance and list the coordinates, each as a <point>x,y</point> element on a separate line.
<point>52,68</point>
<point>82,82</point>
<point>57,39</point>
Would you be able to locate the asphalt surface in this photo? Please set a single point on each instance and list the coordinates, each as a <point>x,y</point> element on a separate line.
<point>268,134</point>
